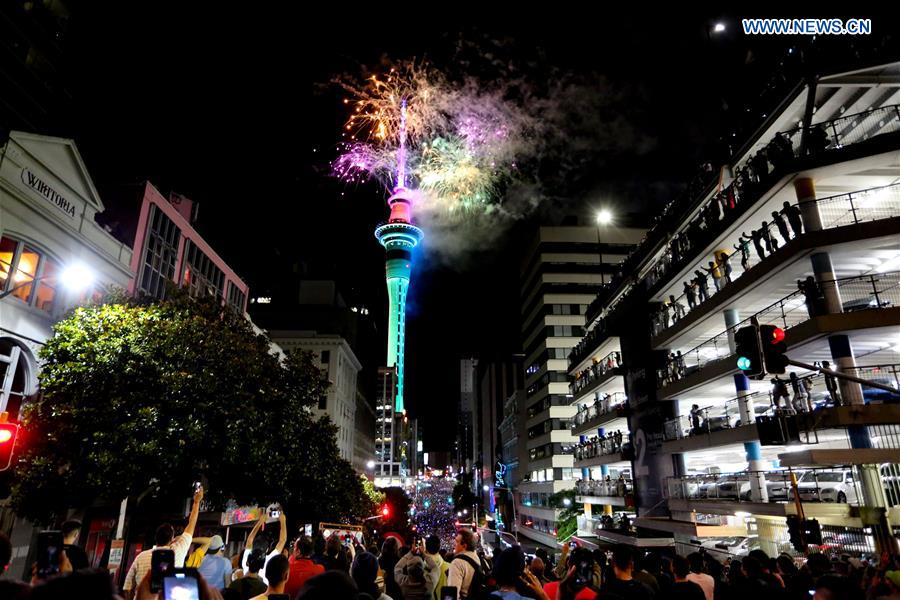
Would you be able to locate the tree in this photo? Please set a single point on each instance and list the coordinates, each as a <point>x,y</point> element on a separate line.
<point>137,396</point>
<point>567,521</point>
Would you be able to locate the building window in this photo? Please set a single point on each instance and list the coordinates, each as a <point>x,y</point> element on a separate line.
<point>34,275</point>
<point>236,298</point>
<point>323,402</point>
<point>326,356</point>
<point>200,275</point>
<point>160,253</point>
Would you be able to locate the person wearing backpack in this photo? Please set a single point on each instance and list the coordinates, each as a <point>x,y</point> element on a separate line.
<point>465,573</point>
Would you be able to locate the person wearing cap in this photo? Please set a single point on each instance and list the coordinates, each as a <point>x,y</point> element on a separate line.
<point>215,568</point>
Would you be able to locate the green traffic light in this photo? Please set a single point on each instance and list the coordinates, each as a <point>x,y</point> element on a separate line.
<point>743,363</point>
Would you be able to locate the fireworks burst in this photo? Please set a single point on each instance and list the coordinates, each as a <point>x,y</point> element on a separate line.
<point>455,142</point>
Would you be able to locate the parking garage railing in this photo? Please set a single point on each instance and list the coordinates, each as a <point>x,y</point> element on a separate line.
<point>875,291</point>
<point>871,204</point>
<point>710,419</point>
<point>836,485</point>
<point>608,405</point>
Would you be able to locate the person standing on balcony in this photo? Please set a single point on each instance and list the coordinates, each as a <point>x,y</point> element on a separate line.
<point>690,294</point>
<point>677,309</point>
<point>725,268</point>
<point>768,239</point>
<point>702,285</point>
<point>743,246</point>
<point>713,271</point>
<point>797,389</point>
<point>831,385</point>
<point>779,391</point>
<point>679,365</point>
<point>757,237</point>
<point>782,226</point>
<point>792,213</point>
<point>695,419</point>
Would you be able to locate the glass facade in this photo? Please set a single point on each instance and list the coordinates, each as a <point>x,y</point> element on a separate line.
<point>200,275</point>
<point>160,254</point>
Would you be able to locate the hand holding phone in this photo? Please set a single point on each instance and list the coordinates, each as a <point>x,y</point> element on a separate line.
<point>50,546</point>
<point>449,592</point>
<point>162,565</point>
<point>181,587</point>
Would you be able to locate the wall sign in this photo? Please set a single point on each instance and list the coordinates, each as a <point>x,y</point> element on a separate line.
<point>47,192</point>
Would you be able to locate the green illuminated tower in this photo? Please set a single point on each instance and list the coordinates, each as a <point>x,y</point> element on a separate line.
<point>398,236</point>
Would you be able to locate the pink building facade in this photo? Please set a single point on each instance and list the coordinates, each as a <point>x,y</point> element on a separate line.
<point>167,249</point>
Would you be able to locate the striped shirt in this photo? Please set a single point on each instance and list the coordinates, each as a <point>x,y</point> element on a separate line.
<point>141,565</point>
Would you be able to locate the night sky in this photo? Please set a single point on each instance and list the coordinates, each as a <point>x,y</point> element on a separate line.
<point>233,109</point>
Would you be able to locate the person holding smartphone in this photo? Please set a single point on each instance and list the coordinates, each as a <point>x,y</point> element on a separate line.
<point>251,540</point>
<point>164,538</point>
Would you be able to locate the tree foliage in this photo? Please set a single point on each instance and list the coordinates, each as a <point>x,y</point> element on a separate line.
<point>139,396</point>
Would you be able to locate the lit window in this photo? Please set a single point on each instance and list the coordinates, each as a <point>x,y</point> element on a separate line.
<point>26,269</point>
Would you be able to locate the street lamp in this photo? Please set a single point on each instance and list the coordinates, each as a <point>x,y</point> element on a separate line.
<point>719,27</point>
<point>75,277</point>
<point>486,487</point>
<point>604,217</point>
<point>370,465</point>
<point>567,502</point>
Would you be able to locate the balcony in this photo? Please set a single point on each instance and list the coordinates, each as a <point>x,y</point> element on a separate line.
<point>753,178</point>
<point>863,293</point>
<point>716,425</point>
<point>845,210</point>
<point>591,416</point>
<point>588,343</point>
<point>832,493</point>
<point>596,375</point>
<point>612,492</point>
<point>612,448</point>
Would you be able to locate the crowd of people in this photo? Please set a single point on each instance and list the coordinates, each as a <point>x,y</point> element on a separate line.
<point>336,568</point>
<point>611,361</point>
<point>600,445</point>
<point>605,487</point>
<point>786,224</point>
<point>603,404</point>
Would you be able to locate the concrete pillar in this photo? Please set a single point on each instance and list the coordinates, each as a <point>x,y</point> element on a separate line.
<point>585,471</point>
<point>851,393</point>
<point>731,319</point>
<point>758,491</point>
<point>805,190</point>
<point>824,273</point>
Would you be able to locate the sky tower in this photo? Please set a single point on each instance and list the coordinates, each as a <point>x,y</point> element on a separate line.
<point>398,236</point>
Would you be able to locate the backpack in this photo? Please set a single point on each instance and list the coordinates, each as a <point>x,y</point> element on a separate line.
<point>481,587</point>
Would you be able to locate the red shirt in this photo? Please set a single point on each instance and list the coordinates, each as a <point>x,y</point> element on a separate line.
<point>585,594</point>
<point>301,570</point>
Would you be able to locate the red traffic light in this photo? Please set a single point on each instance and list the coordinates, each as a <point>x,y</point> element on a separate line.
<point>385,510</point>
<point>8,433</point>
<point>777,335</point>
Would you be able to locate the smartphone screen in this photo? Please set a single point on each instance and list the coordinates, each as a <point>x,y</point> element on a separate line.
<point>162,565</point>
<point>180,588</point>
<point>584,574</point>
<point>50,544</point>
<point>449,592</point>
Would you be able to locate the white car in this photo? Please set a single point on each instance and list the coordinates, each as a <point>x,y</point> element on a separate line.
<point>731,546</point>
<point>778,486</point>
<point>734,487</point>
<point>827,486</point>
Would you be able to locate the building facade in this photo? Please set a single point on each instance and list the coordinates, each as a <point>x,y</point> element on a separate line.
<point>562,272</point>
<point>48,204</point>
<point>167,250</point>
<point>800,231</point>
<point>340,365</point>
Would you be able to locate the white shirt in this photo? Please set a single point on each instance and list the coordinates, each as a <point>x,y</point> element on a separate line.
<point>262,572</point>
<point>461,573</point>
<point>706,583</point>
<point>142,562</point>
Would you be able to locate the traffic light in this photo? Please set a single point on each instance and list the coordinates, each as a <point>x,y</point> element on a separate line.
<point>385,511</point>
<point>746,343</point>
<point>773,348</point>
<point>794,533</point>
<point>8,434</point>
